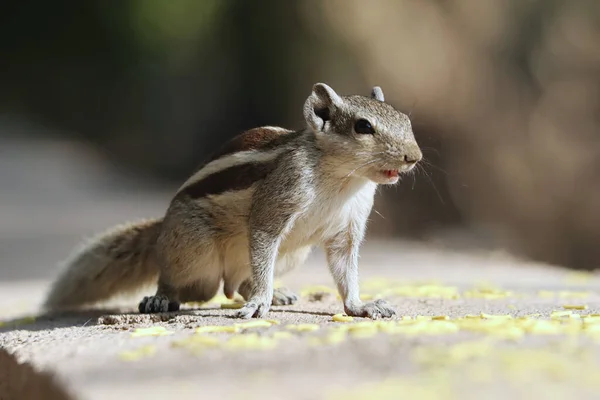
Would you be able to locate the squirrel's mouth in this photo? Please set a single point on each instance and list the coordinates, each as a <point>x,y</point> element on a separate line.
<point>391,173</point>
<point>388,176</point>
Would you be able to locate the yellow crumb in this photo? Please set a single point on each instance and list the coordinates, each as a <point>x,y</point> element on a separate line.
<point>575,306</point>
<point>231,306</point>
<point>363,333</point>
<point>133,355</point>
<point>436,327</point>
<point>218,329</point>
<point>391,327</point>
<point>152,331</point>
<point>490,316</point>
<point>560,314</point>
<point>578,277</point>
<point>573,295</point>
<point>258,323</point>
<point>339,327</point>
<point>303,327</point>
<point>543,327</point>
<point>198,341</point>
<point>363,329</point>
<point>333,337</point>
<point>342,318</point>
<point>195,303</point>
<point>509,332</point>
<point>220,298</point>
<point>250,341</point>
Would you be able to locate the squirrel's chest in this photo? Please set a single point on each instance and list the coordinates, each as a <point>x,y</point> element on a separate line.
<point>331,211</point>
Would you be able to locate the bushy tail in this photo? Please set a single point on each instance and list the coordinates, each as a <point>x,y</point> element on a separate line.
<point>114,262</point>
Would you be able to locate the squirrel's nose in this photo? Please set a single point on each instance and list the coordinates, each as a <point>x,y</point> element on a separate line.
<point>413,158</point>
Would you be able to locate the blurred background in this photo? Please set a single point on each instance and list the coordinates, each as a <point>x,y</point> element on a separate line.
<point>107,106</point>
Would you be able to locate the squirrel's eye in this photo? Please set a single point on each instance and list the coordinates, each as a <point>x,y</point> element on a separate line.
<point>364,126</point>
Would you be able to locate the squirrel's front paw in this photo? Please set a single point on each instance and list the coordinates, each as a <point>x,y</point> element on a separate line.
<point>256,307</point>
<point>374,309</point>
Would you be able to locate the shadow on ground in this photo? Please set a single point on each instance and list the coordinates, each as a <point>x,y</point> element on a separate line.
<point>115,316</point>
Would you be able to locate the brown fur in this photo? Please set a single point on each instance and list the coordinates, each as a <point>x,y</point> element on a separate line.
<point>254,139</point>
<point>117,261</point>
<point>238,177</point>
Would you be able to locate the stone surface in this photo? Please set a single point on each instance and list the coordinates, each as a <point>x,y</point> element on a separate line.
<point>95,355</point>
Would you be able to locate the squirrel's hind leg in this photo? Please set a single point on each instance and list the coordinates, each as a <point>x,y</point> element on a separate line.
<point>284,297</point>
<point>281,296</point>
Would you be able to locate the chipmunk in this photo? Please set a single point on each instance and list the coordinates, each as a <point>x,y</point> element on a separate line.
<point>254,211</point>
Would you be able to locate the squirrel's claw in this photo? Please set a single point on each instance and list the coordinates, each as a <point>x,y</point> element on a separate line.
<point>157,304</point>
<point>255,308</point>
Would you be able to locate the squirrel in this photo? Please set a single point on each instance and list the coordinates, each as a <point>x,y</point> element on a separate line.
<point>254,211</point>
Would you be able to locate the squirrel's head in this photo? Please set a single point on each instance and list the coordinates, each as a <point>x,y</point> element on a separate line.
<point>368,137</point>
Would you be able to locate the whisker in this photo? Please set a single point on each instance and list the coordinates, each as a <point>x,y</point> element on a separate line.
<point>412,107</point>
<point>364,164</point>
<point>361,166</point>
<point>433,149</point>
<point>430,164</point>
<point>378,213</point>
<point>369,155</point>
<point>432,184</point>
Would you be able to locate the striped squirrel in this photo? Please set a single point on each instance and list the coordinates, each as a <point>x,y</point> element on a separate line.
<point>253,211</point>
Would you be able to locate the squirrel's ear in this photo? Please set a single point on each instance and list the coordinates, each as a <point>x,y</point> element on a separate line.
<point>377,93</point>
<point>319,106</point>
